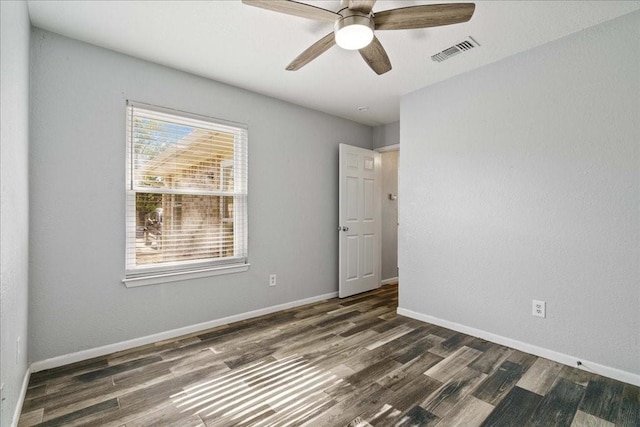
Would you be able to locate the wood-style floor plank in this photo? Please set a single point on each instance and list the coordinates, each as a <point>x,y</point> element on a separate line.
<point>470,412</point>
<point>339,362</point>
<point>493,389</point>
<point>559,406</point>
<point>417,390</point>
<point>400,377</point>
<point>602,398</point>
<point>541,376</point>
<point>582,419</point>
<point>418,416</point>
<point>453,364</point>
<point>629,414</point>
<point>491,359</point>
<point>514,410</point>
<point>451,393</point>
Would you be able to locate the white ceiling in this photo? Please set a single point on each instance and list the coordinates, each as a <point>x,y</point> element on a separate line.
<point>248,47</point>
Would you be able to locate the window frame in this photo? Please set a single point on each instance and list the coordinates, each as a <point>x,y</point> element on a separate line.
<point>188,269</point>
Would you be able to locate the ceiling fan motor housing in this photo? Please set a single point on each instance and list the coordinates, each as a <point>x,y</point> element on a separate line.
<point>354,30</point>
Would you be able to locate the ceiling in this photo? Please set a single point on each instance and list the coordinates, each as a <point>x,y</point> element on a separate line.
<point>249,47</point>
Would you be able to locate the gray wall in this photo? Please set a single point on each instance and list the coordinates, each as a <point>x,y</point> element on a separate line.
<point>78,97</point>
<point>385,135</point>
<point>521,181</point>
<point>14,201</point>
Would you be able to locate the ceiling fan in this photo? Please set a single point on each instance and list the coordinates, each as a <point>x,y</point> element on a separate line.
<point>354,25</point>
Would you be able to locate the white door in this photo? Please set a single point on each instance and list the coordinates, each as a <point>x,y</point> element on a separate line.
<point>359,216</point>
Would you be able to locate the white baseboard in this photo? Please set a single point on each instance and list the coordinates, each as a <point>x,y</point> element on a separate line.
<point>79,356</point>
<point>565,359</point>
<point>390,281</point>
<point>23,394</point>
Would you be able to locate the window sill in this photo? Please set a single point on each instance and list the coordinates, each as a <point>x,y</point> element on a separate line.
<point>183,275</point>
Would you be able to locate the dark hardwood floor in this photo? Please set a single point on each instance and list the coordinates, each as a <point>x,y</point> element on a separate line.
<point>335,363</point>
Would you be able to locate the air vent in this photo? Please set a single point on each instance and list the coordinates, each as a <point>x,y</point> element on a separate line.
<point>464,45</point>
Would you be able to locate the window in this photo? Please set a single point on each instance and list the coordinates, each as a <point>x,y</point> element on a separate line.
<point>186,196</point>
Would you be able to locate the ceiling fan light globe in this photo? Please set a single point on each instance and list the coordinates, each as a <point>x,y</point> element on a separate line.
<point>353,32</point>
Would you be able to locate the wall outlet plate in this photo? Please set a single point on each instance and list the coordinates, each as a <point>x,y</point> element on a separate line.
<point>272,280</point>
<point>539,308</point>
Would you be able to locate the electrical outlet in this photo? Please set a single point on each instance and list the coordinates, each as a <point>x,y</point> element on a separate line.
<point>272,280</point>
<point>17,350</point>
<point>539,308</point>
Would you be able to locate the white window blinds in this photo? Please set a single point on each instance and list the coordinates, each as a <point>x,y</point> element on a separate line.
<point>186,192</point>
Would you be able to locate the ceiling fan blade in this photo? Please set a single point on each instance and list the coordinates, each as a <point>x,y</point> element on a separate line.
<point>431,15</point>
<point>363,6</point>
<point>376,57</point>
<point>291,7</point>
<point>315,50</point>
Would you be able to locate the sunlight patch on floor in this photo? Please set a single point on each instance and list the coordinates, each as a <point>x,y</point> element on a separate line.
<point>281,391</point>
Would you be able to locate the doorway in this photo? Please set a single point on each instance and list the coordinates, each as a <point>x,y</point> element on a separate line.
<point>368,219</point>
<point>389,217</point>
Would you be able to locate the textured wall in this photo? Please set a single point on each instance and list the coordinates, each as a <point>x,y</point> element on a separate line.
<point>78,179</point>
<point>385,135</point>
<point>521,181</point>
<point>14,201</point>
